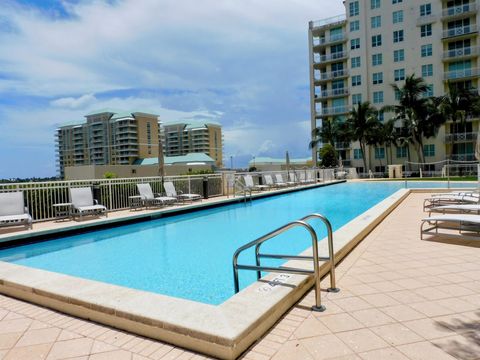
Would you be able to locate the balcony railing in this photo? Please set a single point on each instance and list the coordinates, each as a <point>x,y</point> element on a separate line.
<point>464,157</point>
<point>333,93</point>
<point>330,57</point>
<point>321,41</point>
<point>328,21</point>
<point>461,30</point>
<point>459,10</point>
<point>325,76</point>
<point>460,137</point>
<point>337,110</point>
<point>342,145</point>
<point>461,74</point>
<point>461,52</point>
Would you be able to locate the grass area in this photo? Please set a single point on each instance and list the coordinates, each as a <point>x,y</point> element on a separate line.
<point>453,178</point>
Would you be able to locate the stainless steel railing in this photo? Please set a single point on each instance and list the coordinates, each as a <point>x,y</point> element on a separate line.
<point>315,258</point>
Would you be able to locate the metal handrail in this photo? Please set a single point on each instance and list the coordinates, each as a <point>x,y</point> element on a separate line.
<point>315,258</point>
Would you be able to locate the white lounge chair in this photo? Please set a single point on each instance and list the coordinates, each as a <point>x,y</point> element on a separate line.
<point>171,192</point>
<point>269,181</point>
<point>149,198</point>
<point>292,178</point>
<point>250,185</point>
<point>84,204</point>
<point>450,199</point>
<point>461,208</point>
<point>460,222</point>
<point>279,181</point>
<point>13,210</point>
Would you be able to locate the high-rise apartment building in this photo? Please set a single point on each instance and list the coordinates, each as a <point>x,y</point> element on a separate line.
<point>108,137</point>
<point>183,137</point>
<point>357,56</point>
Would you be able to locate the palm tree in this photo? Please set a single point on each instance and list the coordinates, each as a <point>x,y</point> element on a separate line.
<point>457,105</point>
<point>389,136</point>
<point>361,123</point>
<point>327,133</point>
<point>419,115</point>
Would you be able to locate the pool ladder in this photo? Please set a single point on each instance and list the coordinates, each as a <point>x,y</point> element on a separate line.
<point>291,270</point>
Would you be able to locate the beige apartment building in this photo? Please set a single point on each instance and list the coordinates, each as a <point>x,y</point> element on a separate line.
<point>357,56</point>
<point>108,137</point>
<point>184,137</point>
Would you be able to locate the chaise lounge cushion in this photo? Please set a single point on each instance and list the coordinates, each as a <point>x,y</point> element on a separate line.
<point>11,203</point>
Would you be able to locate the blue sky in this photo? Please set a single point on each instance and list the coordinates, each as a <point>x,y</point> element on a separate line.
<point>243,63</point>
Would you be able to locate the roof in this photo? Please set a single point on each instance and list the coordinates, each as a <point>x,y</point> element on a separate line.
<point>121,113</point>
<point>192,124</point>
<point>171,160</point>
<point>104,111</point>
<point>71,123</point>
<point>269,160</point>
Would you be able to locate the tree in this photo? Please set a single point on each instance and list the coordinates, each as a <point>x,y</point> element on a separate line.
<point>329,133</point>
<point>328,156</point>
<point>362,123</point>
<point>457,105</point>
<point>389,136</point>
<point>419,115</point>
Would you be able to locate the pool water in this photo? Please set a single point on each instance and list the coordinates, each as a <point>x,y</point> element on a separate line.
<point>190,255</point>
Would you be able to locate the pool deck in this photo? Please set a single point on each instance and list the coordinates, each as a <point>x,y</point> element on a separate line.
<point>401,298</point>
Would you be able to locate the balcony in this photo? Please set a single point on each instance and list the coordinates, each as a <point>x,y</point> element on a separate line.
<point>325,41</point>
<point>342,146</point>
<point>464,157</point>
<point>328,22</point>
<point>322,59</point>
<point>461,53</point>
<point>331,75</point>
<point>461,74</point>
<point>460,31</point>
<point>330,111</point>
<point>459,11</point>
<point>427,19</point>
<point>460,137</point>
<point>325,94</point>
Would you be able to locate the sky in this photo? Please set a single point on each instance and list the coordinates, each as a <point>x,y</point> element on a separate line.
<point>243,63</point>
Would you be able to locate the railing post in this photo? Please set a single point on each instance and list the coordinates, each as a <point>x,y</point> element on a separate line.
<point>110,195</point>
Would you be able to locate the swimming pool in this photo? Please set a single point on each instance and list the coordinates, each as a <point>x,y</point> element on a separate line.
<point>189,256</point>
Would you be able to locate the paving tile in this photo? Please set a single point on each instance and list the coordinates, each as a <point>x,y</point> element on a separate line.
<point>380,300</point>
<point>70,348</point>
<point>362,340</point>
<point>430,308</point>
<point>396,334</point>
<point>311,327</point>
<point>39,336</point>
<point>37,352</point>
<point>424,351</point>
<point>402,313</point>
<point>383,354</point>
<point>340,322</point>
<point>325,347</point>
<point>110,355</point>
<point>353,303</point>
<point>465,346</point>
<point>429,328</point>
<point>15,325</point>
<point>8,340</point>
<point>292,350</point>
<point>372,317</point>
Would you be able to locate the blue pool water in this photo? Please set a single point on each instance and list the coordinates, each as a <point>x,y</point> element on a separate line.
<point>190,255</point>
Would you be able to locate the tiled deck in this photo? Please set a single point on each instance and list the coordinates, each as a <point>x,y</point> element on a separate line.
<point>401,298</point>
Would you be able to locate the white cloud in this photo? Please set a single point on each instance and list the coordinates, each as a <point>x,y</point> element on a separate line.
<point>74,103</point>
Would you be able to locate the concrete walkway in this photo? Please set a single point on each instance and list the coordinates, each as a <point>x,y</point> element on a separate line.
<point>401,298</point>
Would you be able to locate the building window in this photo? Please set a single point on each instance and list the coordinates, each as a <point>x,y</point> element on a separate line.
<point>357,154</point>
<point>381,116</point>
<point>356,80</point>
<point>354,44</point>
<point>377,97</point>
<point>426,30</point>
<point>376,40</point>
<point>377,78</point>
<point>397,95</point>
<point>429,92</point>
<point>397,16</point>
<point>398,55</point>
<point>429,150</point>
<point>399,74</point>
<point>356,98</point>
<point>377,59</point>
<point>425,9</point>
<point>402,152</point>
<point>354,8</point>
<point>379,153</point>
<point>397,36</point>
<point>396,1</point>
<point>374,4</point>
<point>427,50</point>
<point>355,25</point>
<point>355,62</point>
<point>427,70</point>
<point>376,21</point>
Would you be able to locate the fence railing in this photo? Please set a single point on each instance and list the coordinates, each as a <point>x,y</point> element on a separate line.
<point>112,193</point>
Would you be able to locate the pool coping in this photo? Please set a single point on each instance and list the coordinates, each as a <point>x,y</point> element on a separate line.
<point>224,331</point>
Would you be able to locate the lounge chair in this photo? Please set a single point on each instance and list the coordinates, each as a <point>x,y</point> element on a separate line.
<point>460,222</point>
<point>250,185</point>
<point>269,181</point>
<point>450,199</point>
<point>292,178</point>
<point>279,181</point>
<point>84,204</point>
<point>171,192</point>
<point>13,210</point>
<point>461,208</point>
<point>149,198</point>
